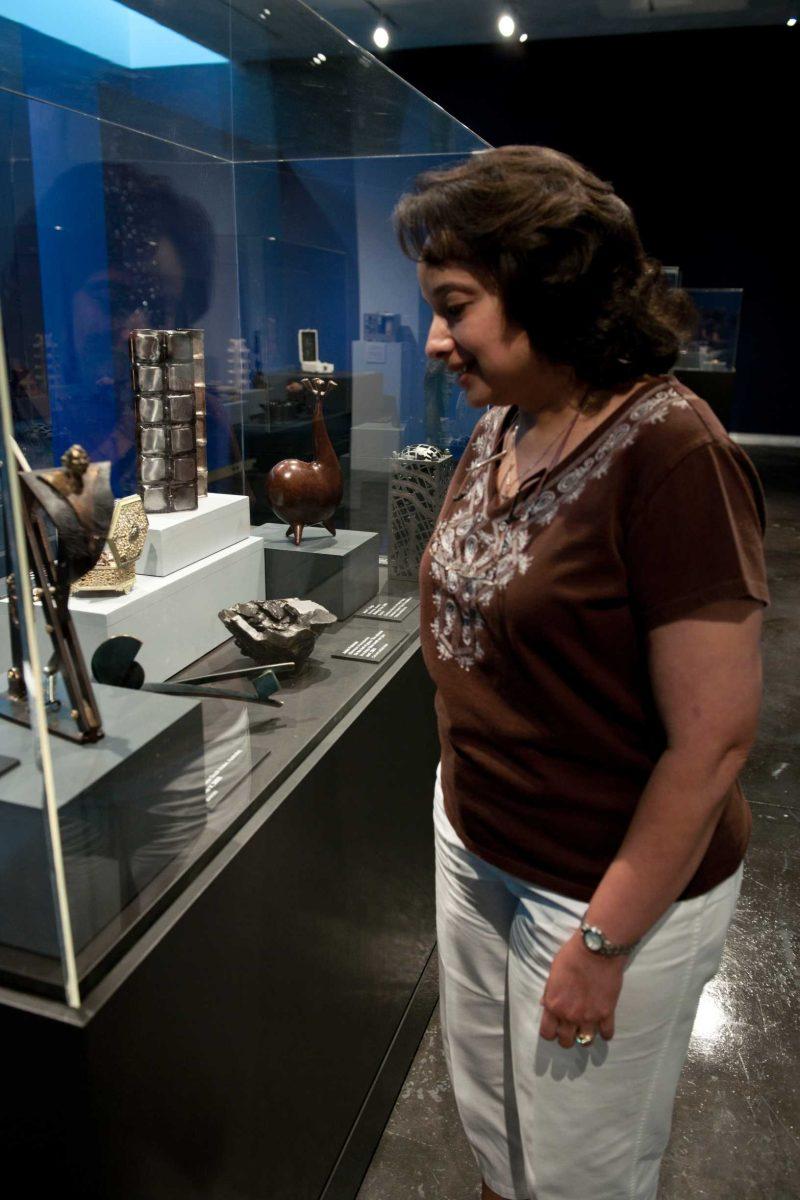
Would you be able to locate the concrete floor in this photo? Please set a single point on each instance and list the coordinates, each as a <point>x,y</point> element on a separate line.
<point>736,1127</point>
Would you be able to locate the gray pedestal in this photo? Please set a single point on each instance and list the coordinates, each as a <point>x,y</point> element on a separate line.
<point>125,811</point>
<point>338,572</point>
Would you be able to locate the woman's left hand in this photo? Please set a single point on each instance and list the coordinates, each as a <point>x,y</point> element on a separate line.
<point>581,993</point>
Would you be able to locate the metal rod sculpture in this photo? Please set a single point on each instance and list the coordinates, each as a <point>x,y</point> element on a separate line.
<point>114,663</point>
<point>201,433</point>
<point>77,499</point>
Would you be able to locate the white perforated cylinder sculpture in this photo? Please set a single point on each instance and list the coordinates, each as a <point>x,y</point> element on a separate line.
<point>420,477</point>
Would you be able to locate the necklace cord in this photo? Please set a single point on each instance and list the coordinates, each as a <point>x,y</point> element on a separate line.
<point>562,441</point>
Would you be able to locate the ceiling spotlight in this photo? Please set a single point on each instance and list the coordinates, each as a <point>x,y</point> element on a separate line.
<point>791,22</point>
<point>322,57</point>
<point>380,36</point>
<point>523,37</point>
<point>265,12</point>
<point>506,25</point>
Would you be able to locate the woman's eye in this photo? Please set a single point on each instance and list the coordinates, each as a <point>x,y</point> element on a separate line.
<point>454,311</point>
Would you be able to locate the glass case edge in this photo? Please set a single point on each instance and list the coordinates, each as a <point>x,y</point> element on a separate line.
<point>39,728</point>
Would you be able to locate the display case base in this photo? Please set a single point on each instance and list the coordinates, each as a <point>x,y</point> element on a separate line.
<point>124,804</point>
<point>295,973</point>
<point>174,616</point>
<point>176,540</point>
<point>340,572</point>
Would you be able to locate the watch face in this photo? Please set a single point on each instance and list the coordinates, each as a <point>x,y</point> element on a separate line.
<point>592,940</point>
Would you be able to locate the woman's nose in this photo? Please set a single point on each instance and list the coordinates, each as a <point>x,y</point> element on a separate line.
<point>440,340</point>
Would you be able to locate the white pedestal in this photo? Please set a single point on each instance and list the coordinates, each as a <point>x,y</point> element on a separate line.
<point>176,540</point>
<point>376,399</point>
<point>175,617</point>
<point>371,446</point>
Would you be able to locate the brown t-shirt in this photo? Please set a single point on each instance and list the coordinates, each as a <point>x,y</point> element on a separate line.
<point>534,630</point>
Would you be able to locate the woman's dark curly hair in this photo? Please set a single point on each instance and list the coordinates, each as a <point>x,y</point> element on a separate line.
<point>563,253</point>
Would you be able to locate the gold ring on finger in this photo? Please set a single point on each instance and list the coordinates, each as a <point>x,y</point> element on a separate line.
<point>584,1039</point>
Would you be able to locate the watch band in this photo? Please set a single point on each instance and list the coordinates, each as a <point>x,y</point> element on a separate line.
<point>596,941</point>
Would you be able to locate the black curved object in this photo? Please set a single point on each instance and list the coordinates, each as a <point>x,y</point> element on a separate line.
<point>114,663</point>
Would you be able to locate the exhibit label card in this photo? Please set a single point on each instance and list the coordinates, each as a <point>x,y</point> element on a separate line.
<point>393,609</point>
<point>371,648</point>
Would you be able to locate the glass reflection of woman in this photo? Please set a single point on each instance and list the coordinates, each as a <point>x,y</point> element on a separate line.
<point>125,250</point>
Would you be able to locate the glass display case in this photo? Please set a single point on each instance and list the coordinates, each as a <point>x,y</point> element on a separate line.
<point>708,363</point>
<point>195,204</point>
<point>716,340</point>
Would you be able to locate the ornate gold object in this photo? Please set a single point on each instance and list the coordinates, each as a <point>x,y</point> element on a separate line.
<point>68,481</point>
<point>116,568</point>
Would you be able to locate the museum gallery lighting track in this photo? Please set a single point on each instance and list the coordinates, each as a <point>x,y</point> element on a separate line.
<point>509,22</point>
<point>380,34</point>
<point>506,25</point>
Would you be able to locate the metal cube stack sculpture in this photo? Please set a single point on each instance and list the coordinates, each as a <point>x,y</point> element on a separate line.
<point>164,373</point>
<point>420,478</point>
<point>201,437</point>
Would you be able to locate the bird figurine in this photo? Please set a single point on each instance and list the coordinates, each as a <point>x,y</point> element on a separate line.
<point>308,493</point>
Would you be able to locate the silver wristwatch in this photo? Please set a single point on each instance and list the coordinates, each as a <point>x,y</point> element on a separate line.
<point>595,940</point>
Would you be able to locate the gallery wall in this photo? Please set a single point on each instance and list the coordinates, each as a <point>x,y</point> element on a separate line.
<point>695,130</point>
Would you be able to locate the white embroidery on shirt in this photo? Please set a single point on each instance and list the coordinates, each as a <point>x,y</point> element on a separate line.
<point>474,556</point>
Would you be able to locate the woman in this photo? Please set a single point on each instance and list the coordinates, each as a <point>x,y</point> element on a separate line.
<point>591,603</point>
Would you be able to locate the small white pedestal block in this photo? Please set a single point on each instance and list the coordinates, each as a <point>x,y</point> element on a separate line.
<point>340,573</point>
<point>372,444</point>
<point>175,617</point>
<point>176,540</point>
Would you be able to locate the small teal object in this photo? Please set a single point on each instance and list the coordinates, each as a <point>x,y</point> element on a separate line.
<point>266,685</point>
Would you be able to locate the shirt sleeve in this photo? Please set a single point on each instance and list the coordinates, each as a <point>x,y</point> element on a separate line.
<point>699,537</point>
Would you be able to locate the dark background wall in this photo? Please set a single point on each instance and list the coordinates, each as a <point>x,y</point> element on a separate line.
<point>695,130</point>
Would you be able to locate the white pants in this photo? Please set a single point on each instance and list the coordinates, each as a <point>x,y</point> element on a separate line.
<point>589,1123</point>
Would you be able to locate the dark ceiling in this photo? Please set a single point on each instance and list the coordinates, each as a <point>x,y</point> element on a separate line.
<point>414,23</point>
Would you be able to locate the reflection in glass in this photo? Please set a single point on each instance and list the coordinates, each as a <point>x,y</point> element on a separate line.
<point>191,168</point>
<point>716,340</point>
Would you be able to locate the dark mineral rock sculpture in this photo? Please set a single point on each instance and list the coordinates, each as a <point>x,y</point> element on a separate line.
<point>303,493</point>
<point>276,630</point>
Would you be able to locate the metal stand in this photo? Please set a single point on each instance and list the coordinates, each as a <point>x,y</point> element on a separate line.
<point>81,721</point>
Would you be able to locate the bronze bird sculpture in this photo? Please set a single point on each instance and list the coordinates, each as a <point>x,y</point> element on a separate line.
<point>308,493</point>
